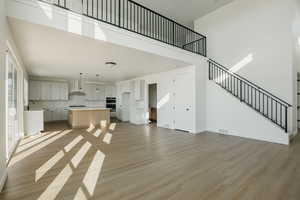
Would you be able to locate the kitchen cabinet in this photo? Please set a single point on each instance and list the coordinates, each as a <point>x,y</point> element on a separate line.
<point>139,90</point>
<point>58,114</point>
<point>34,90</point>
<point>110,91</point>
<point>94,92</point>
<point>48,90</point>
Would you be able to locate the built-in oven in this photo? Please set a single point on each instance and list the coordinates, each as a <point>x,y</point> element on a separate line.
<point>111,103</point>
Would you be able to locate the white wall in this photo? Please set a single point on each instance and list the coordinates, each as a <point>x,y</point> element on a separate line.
<point>296,50</point>
<point>165,98</point>
<point>254,37</point>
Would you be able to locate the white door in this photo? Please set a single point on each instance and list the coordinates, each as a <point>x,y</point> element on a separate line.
<point>12,106</point>
<point>183,102</point>
<point>125,110</point>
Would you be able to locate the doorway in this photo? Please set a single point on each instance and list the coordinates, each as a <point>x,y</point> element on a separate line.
<point>125,112</point>
<point>183,102</point>
<point>152,105</point>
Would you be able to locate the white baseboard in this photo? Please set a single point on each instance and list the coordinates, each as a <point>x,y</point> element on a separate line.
<point>3,179</point>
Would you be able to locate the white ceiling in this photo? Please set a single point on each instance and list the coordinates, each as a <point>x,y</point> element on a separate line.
<point>53,53</point>
<point>184,11</point>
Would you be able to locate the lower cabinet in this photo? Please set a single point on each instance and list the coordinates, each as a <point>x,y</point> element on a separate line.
<point>55,115</point>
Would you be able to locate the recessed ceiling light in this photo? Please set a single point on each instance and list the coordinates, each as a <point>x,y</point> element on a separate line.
<point>111,64</point>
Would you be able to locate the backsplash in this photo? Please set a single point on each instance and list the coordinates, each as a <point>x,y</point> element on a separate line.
<point>74,100</point>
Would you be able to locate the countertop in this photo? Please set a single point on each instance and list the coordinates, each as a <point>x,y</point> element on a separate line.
<point>87,109</point>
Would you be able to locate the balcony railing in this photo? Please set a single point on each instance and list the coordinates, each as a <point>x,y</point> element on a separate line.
<point>134,17</point>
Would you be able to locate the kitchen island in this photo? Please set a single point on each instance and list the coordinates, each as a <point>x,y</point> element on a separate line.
<point>85,117</point>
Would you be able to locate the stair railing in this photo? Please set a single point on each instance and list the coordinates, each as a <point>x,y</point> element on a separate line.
<point>262,101</point>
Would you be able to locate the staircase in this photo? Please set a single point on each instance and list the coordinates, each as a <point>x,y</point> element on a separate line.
<point>260,100</point>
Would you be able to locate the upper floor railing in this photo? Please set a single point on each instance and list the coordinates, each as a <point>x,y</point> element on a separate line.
<point>134,17</point>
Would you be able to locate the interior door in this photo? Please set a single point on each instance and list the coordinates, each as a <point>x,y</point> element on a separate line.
<point>125,114</point>
<point>12,105</point>
<point>183,102</point>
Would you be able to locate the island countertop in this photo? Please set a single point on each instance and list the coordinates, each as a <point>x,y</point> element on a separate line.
<point>88,109</point>
<point>87,116</point>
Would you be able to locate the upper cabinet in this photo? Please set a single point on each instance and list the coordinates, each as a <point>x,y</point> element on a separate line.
<point>34,90</point>
<point>48,90</point>
<point>94,92</point>
<point>139,89</point>
<point>110,91</point>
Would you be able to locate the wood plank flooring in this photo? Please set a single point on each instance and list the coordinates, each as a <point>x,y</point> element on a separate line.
<point>145,162</point>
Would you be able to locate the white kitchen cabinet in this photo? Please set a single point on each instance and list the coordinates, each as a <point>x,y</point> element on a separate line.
<point>94,92</point>
<point>64,91</point>
<point>48,90</point>
<point>110,91</point>
<point>33,122</point>
<point>34,90</point>
<point>139,90</point>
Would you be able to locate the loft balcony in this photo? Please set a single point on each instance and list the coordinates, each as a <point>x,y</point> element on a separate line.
<point>134,17</point>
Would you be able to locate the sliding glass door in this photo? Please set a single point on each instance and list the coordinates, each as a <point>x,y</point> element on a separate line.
<point>12,105</point>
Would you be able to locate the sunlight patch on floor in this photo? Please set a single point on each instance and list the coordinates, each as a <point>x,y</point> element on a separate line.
<point>73,143</point>
<point>97,133</point>
<point>36,148</point>
<point>112,126</point>
<point>92,127</point>
<point>40,172</point>
<point>91,177</point>
<point>36,141</point>
<point>80,154</point>
<point>107,138</point>
<point>103,123</point>
<point>80,195</point>
<point>57,184</point>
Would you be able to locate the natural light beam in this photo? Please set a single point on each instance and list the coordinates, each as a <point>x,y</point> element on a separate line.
<point>57,184</point>
<point>242,63</point>
<point>92,127</point>
<point>107,138</point>
<point>80,154</point>
<point>75,23</point>
<point>73,143</point>
<point>39,173</point>
<point>47,9</point>
<point>103,123</point>
<point>99,33</point>
<point>91,177</point>
<point>248,59</point>
<point>37,141</point>
<point>32,138</point>
<point>163,101</point>
<point>80,195</point>
<point>112,126</point>
<point>97,133</point>
<point>36,148</point>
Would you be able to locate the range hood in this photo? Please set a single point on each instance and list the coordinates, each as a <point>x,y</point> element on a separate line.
<point>77,88</point>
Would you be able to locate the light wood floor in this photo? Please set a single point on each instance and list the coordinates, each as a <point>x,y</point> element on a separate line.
<point>144,162</point>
